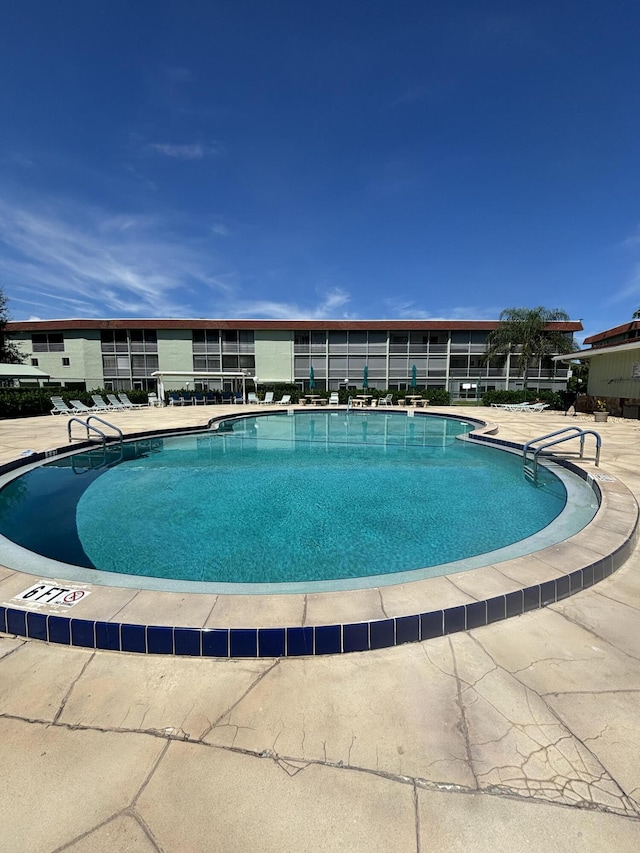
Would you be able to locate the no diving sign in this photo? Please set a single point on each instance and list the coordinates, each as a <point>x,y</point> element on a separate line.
<point>47,593</point>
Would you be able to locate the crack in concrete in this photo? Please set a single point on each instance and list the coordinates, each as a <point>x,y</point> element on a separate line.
<point>616,600</point>
<point>463,725</point>
<point>385,614</point>
<point>300,764</point>
<point>237,702</point>
<point>626,804</point>
<point>590,630</point>
<point>65,698</point>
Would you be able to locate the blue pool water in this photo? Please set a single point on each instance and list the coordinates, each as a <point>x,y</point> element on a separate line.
<point>282,499</point>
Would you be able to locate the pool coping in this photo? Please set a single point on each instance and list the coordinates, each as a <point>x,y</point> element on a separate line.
<point>294,624</point>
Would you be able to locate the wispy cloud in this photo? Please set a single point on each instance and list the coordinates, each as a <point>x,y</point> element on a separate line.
<point>404,309</point>
<point>187,151</point>
<point>71,261</point>
<point>330,306</point>
<point>100,264</point>
<point>221,229</point>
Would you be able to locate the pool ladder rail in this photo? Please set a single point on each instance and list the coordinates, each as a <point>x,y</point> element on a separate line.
<point>530,465</point>
<point>90,428</point>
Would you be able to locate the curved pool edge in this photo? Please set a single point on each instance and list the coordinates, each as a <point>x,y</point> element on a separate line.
<point>154,622</point>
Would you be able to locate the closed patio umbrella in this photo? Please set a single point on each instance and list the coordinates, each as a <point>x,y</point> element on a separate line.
<point>312,379</point>
<point>414,377</point>
<point>365,377</point>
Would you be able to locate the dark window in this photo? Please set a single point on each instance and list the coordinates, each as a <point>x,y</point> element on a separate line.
<point>34,362</point>
<point>47,342</point>
<point>66,362</point>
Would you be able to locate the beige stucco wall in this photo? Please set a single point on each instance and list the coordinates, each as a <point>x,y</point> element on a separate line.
<point>610,375</point>
<point>274,355</point>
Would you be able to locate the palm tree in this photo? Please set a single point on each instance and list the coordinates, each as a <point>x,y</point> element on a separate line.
<point>525,332</point>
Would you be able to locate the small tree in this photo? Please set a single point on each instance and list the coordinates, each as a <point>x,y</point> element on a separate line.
<point>9,352</point>
<point>526,332</point>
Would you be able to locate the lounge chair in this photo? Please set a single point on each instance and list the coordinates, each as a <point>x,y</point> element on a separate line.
<point>334,400</point>
<point>386,401</point>
<point>174,400</point>
<point>99,403</point>
<point>239,398</point>
<point>268,398</point>
<point>198,399</point>
<point>285,401</point>
<point>114,403</point>
<point>252,398</point>
<point>80,407</point>
<point>60,407</point>
<point>126,402</point>
<point>153,399</point>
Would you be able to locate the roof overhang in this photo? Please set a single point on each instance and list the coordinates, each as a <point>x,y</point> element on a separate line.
<point>582,355</point>
<point>22,371</point>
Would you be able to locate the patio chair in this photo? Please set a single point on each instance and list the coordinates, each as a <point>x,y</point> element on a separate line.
<point>174,400</point>
<point>252,398</point>
<point>535,407</point>
<point>79,407</point>
<point>198,399</point>
<point>60,407</point>
<point>334,400</point>
<point>239,398</point>
<point>210,398</point>
<point>114,403</point>
<point>285,401</point>
<point>126,402</point>
<point>153,399</point>
<point>386,401</point>
<point>99,403</point>
<point>268,398</point>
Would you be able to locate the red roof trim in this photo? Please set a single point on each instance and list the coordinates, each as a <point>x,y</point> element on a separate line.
<point>612,333</point>
<point>280,325</point>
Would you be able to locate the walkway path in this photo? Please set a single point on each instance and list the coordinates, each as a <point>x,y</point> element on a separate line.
<point>519,736</point>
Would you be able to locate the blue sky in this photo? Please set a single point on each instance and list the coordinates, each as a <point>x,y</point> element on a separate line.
<point>292,158</point>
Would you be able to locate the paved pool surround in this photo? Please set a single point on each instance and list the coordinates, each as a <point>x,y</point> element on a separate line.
<point>325,623</point>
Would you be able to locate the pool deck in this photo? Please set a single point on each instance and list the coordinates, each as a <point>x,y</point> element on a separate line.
<point>520,735</point>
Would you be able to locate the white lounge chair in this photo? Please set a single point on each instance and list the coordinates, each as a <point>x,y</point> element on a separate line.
<point>252,398</point>
<point>100,404</point>
<point>334,399</point>
<point>60,407</point>
<point>114,403</point>
<point>285,401</point>
<point>126,402</point>
<point>268,398</point>
<point>79,406</point>
<point>386,401</point>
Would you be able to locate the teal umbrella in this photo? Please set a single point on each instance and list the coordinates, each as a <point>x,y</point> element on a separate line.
<point>312,379</point>
<point>365,377</point>
<point>414,377</point>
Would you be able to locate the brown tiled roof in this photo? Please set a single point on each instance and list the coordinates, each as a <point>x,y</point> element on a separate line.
<point>613,333</point>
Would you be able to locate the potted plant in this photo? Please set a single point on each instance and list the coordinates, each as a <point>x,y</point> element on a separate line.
<point>600,413</point>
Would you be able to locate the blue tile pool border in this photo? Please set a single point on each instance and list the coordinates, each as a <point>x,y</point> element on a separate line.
<point>294,641</point>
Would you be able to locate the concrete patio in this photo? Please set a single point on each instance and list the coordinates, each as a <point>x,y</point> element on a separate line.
<point>522,735</point>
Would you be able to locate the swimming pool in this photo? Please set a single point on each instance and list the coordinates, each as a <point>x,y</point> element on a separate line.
<point>319,500</point>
